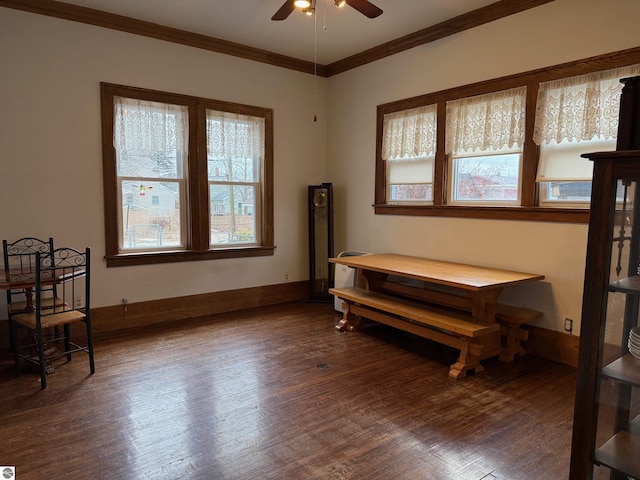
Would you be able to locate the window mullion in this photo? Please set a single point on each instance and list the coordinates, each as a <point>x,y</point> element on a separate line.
<point>197,180</point>
<point>440,169</point>
<point>530,152</point>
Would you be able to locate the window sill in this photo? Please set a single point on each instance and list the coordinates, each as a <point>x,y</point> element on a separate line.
<point>532,214</point>
<point>127,259</point>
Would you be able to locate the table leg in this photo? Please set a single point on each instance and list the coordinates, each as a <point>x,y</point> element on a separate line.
<point>28,294</point>
<point>369,279</point>
<point>484,304</point>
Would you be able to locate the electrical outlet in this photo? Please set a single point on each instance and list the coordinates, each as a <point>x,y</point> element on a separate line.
<point>568,325</point>
<point>286,276</point>
<point>78,301</point>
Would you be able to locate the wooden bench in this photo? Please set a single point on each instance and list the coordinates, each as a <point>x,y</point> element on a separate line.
<point>511,318</point>
<point>449,327</point>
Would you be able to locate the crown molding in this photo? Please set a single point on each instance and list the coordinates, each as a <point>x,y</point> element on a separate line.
<point>466,21</point>
<point>99,18</point>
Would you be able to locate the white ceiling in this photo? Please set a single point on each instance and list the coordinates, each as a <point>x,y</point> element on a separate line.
<point>338,33</point>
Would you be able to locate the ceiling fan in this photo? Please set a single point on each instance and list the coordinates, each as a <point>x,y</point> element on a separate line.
<point>363,6</point>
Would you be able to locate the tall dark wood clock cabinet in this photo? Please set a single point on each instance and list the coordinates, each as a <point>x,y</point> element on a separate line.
<point>606,425</point>
<point>320,203</point>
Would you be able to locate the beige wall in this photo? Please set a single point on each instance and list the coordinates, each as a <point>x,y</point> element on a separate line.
<point>561,31</point>
<point>50,165</point>
<point>50,146</point>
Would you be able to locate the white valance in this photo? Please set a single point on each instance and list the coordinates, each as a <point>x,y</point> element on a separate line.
<point>409,134</point>
<point>494,121</point>
<point>230,135</point>
<point>581,108</point>
<point>147,128</point>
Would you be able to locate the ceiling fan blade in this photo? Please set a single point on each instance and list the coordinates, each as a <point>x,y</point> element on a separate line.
<point>365,7</point>
<point>284,11</point>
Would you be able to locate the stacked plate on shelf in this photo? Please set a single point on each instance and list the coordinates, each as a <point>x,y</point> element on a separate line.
<point>634,342</point>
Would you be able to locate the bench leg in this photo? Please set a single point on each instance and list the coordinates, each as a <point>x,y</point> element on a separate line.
<point>350,321</point>
<point>513,336</point>
<point>467,361</point>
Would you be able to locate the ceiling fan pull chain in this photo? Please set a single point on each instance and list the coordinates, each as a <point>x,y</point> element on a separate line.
<point>324,15</point>
<point>315,66</point>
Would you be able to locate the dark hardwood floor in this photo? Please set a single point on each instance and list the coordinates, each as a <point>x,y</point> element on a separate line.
<point>276,393</point>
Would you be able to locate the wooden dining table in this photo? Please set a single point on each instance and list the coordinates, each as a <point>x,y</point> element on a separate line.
<point>479,284</point>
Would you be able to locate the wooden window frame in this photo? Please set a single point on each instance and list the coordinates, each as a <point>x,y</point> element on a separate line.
<point>528,209</point>
<point>197,218</point>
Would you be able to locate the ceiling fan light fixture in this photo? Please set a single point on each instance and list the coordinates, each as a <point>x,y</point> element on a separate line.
<point>365,7</point>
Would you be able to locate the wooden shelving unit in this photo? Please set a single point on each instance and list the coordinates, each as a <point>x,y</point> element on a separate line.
<point>629,285</point>
<point>606,426</point>
<point>625,369</point>
<point>620,453</point>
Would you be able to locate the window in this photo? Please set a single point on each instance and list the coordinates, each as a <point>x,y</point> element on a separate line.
<point>575,115</point>
<point>150,146</point>
<point>185,178</point>
<point>507,148</point>
<point>409,148</point>
<point>235,145</point>
<point>485,136</point>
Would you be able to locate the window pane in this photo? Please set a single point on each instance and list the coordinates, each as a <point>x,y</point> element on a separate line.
<point>411,193</point>
<point>234,170</point>
<point>150,138</point>
<point>564,176</point>
<point>233,214</point>
<point>486,179</point>
<point>235,146</point>
<point>565,191</point>
<point>410,180</point>
<point>154,165</point>
<point>571,192</point>
<point>150,215</point>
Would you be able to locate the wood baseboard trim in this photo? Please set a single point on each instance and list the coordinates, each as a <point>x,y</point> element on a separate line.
<point>559,347</point>
<point>112,318</point>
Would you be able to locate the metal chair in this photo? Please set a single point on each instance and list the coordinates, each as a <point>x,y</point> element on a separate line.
<point>70,271</point>
<point>19,259</point>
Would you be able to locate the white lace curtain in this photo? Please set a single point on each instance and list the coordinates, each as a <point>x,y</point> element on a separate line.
<point>148,128</point>
<point>230,135</point>
<point>494,121</point>
<point>409,134</point>
<point>581,108</point>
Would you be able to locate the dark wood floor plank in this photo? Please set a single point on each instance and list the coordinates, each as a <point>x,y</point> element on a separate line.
<point>276,393</point>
